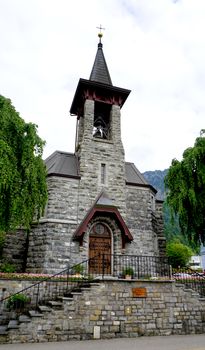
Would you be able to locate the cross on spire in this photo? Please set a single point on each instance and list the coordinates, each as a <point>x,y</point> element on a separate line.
<point>100,34</point>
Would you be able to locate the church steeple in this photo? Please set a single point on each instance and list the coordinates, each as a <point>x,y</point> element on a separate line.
<point>99,87</point>
<point>100,72</point>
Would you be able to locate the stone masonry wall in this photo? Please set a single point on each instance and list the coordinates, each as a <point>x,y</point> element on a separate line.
<point>111,309</point>
<point>139,221</point>
<point>63,197</point>
<point>14,250</point>
<point>51,248</point>
<point>160,228</point>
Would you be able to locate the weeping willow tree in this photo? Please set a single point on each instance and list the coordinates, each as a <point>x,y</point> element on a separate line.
<point>23,190</point>
<point>185,183</point>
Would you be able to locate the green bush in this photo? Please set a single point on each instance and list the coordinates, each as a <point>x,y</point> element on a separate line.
<point>7,267</point>
<point>17,301</point>
<point>2,240</point>
<point>128,270</point>
<point>78,269</point>
<point>179,254</point>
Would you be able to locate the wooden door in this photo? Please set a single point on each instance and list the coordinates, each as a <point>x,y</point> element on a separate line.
<point>100,250</point>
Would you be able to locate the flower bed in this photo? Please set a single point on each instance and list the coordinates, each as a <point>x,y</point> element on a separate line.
<point>31,276</point>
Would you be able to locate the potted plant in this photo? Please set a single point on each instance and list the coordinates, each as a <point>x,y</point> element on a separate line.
<point>78,270</point>
<point>128,272</point>
<point>17,302</point>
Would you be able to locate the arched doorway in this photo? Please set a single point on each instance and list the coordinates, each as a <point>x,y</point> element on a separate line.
<point>100,248</point>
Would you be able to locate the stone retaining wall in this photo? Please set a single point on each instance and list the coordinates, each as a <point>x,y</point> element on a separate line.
<point>118,308</point>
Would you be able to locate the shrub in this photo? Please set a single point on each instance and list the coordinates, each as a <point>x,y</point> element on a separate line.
<point>128,270</point>
<point>7,267</point>
<point>17,301</point>
<point>2,240</point>
<point>78,269</point>
<point>178,254</point>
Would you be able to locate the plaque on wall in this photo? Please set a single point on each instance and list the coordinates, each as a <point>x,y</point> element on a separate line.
<point>139,292</point>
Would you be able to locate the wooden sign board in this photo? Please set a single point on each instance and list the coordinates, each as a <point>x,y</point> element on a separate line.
<point>139,292</point>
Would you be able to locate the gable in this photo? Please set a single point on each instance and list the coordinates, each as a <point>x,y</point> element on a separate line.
<point>104,205</point>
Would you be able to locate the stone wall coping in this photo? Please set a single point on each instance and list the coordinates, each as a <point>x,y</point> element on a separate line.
<point>103,140</point>
<point>112,279</point>
<point>57,221</point>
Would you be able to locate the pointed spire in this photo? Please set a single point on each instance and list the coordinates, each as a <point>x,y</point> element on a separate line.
<point>100,71</point>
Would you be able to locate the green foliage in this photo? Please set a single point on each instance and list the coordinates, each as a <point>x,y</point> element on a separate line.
<point>171,224</point>
<point>128,270</point>
<point>17,301</point>
<point>172,228</point>
<point>2,240</point>
<point>185,182</point>
<point>178,254</point>
<point>7,267</point>
<point>78,269</point>
<point>23,190</point>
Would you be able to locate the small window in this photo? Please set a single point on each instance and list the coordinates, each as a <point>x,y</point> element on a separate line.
<point>103,173</point>
<point>153,202</point>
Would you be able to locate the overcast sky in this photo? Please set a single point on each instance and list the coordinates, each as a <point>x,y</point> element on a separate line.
<point>156,48</point>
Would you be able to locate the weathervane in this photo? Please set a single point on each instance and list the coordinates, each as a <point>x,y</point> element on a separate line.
<point>100,34</point>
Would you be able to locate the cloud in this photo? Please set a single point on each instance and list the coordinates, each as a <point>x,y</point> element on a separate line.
<point>154,48</point>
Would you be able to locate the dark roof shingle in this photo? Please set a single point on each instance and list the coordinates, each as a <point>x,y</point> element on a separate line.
<point>62,164</point>
<point>100,72</point>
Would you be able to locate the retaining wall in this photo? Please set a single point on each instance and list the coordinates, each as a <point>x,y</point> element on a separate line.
<point>117,308</point>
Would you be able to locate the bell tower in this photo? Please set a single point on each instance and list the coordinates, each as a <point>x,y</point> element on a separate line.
<point>97,104</point>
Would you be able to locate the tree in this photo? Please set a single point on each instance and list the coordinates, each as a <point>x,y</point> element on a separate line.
<point>185,182</point>
<point>23,190</point>
<point>179,254</point>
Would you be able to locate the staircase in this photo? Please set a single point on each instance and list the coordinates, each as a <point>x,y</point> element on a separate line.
<point>43,297</point>
<point>45,314</point>
<point>190,280</point>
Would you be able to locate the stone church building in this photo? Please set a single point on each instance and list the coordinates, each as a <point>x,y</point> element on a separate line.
<point>98,203</point>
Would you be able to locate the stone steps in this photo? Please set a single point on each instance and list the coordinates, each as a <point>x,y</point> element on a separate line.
<point>3,330</point>
<point>24,318</point>
<point>191,291</point>
<point>44,308</point>
<point>55,304</point>
<point>34,313</point>
<point>14,324</point>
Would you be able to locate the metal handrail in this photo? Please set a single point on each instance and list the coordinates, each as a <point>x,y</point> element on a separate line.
<point>61,283</point>
<point>64,282</point>
<point>190,279</point>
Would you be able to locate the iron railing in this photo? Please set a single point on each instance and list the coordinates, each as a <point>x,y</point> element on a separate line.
<point>191,279</point>
<point>138,267</point>
<point>48,289</point>
<point>64,283</point>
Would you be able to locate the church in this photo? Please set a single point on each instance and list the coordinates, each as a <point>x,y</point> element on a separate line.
<point>97,202</point>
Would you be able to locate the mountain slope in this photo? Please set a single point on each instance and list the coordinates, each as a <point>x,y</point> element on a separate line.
<point>156,179</point>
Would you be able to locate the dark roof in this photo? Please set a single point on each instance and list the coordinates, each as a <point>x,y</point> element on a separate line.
<point>98,88</point>
<point>62,164</point>
<point>133,175</point>
<point>66,165</point>
<point>100,71</point>
<point>135,178</point>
